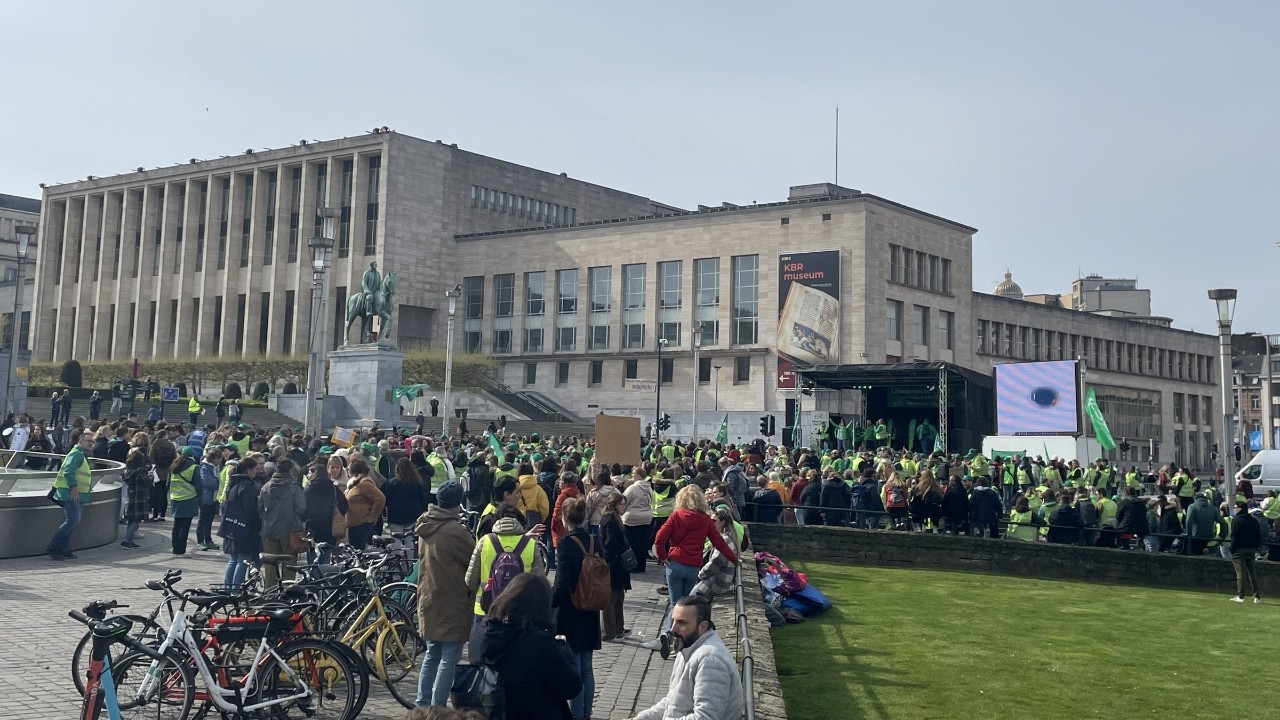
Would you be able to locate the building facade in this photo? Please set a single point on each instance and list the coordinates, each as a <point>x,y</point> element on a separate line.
<point>211,257</point>
<point>16,211</point>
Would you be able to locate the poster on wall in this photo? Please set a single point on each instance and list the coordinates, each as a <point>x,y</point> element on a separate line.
<point>809,314</point>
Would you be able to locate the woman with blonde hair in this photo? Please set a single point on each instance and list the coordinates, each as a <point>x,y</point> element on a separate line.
<point>896,501</point>
<point>680,540</point>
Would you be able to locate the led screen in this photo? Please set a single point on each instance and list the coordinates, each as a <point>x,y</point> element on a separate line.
<point>1037,398</point>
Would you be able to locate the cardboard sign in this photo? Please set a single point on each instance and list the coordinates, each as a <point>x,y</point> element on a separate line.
<point>343,437</point>
<point>617,440</point>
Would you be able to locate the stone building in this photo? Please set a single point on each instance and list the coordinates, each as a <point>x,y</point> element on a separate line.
<point>210,257</point>
<point>15,211</point>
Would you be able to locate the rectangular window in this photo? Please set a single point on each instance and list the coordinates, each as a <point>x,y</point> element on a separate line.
<point>1177,407</point>
<point>532,339</point>
<point>181,227</point>
<point>566,292</point>
<point>344,219</point>
<point>946,328</point>
<point>566,338</point>
<point>704,370</point>
<point>933,282</point>
<point>115,262</point>
<point>706,292</point>
<point>151,325</point>
<point>745,313</point>
<point>502,341</point>
<point>200,223</point>
<point>742,369</point>
<point>1193,409</point>
<point>472,312</point>
<point>504,295</point>
<point>982,336</point>
<point>670,300</point>
<point>666,371</point>
<point>241,304</point>
<point>895,263</point>
<point>597,373</point>
<point>289,296</point>
<point>224,222</point>
<point>371,206</point>
<point>269,229</point>
<point>264,322</point>
<point>475,196</point>
<point>893,319</point>
<point>633,304</point>
<point>600,287</point>
<point>630,369</point>
<point>530,374</point>
<point>217,323</point>
<point>562,374</point>
<point>598,337</point>
<point>534,286</point>
<point>920,325</point>
<point>246,222</point>
<point>295,212</point>
<point>173,324</point>
<point>157,234</point>
<point>945,277</point>
<point>321,196</point>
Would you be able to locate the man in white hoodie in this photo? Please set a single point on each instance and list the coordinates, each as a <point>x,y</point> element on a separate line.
<point>704,682</point>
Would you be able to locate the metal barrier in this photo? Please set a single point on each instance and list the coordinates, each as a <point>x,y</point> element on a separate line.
<point>744,648</point>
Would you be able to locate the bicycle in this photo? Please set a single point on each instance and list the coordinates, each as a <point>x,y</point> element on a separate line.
<point>397,647</point>
<point>146,627</point>
<point>107,675</point>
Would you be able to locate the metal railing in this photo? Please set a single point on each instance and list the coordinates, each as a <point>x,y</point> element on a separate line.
<point>744,647</point>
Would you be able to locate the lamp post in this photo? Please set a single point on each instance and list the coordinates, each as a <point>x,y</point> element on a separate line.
<point>452,297</point>
<point>1268,440</point>
<point>24,247</point>
<point>657,405</point>
<point>697,376</point>
<point>320,249</point>
<point>717,369</point>
<point>1225,298</point>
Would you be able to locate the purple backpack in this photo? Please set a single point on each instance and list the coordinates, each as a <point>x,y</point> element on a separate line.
<point>506,566</point>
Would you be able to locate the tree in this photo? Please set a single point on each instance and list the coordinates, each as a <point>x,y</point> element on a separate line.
<point>72,374</point>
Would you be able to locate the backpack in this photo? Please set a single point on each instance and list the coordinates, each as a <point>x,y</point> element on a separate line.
<point>593,588</point>
<point>897,496</point>
<point>506,566</point>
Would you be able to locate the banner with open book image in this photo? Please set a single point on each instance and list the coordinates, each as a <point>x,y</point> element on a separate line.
<point>809,315</point>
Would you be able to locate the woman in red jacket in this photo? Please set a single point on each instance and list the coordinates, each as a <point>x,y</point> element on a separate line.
<point>570,486</point>
<point>679,546</point>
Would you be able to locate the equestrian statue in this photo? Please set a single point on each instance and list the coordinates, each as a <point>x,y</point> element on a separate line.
<point>376,299</point>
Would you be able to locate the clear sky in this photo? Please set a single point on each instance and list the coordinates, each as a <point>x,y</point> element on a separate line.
<point>1129,139</point>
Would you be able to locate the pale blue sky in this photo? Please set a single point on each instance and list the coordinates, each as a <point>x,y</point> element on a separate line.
<point>1123,138</point>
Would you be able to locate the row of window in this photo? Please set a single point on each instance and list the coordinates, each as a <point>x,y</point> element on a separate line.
<point>919,270</point>
<point>1188,408</point>
<point>708,371</point>
<point>630,324</point>
<point>319,191</point>
<point>1016,341</point>
<point>1187,447</point>
<point>507,203</point>
<point>922,333</point>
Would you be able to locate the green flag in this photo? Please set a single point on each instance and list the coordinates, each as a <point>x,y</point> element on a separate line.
<point>496,447</point>
<point>407,391</point>
<point>722,437</point>
<point>1100,429</point>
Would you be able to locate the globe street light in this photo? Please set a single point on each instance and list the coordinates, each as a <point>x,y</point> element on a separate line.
<point>717,369</point>
<point>321,248</point>
<point>1225,298</point>
<point>452,298</point>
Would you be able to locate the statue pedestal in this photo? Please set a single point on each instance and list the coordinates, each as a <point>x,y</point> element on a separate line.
<point>360,382</point>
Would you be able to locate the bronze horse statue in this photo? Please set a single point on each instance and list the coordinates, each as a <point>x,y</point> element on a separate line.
<point>364,307</point>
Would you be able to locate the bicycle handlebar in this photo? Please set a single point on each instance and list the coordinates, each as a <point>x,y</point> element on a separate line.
<point>123,639</point>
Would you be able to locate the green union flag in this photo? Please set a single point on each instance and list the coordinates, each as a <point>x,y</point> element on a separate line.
<point>1100,429</point>
<point>722,437</point>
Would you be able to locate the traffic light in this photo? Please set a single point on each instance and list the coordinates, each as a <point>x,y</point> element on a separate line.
<point>664,423</point>
<point>764,425</point>
<point>1125,446</point>
<point>771,430</point>
<point>1239,454</point>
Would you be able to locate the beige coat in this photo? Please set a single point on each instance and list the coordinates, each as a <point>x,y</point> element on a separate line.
<point>444,600</point>
<point>364,502</point>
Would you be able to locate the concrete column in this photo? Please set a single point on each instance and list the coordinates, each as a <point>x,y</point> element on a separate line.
<point>64,346</point>
<point>44,302</point>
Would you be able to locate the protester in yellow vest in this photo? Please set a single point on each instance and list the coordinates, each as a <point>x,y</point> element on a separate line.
<point>70,490</point>
<point>184,501</point>
<point>508,532</point>
<point>1022,521</point>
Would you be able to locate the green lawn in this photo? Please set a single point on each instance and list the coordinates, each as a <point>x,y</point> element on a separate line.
<point>917,645</point>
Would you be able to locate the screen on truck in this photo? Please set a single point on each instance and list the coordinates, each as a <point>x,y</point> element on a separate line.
<point>1037,398</point>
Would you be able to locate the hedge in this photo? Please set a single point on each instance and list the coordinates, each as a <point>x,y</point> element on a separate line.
<point>211,374</point>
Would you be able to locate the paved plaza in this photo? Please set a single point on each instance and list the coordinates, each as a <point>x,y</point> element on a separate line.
<point>39,638</point>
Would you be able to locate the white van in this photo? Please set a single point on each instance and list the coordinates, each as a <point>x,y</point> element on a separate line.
<point>1263,471</point>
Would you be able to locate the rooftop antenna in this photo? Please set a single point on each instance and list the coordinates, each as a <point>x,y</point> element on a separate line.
<point>837,182</point>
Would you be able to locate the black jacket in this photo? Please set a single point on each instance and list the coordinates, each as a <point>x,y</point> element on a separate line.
<point>955,505</point>
<point>1245,533</point>
<point>835,495</point>
<point>538,673</point>
<point>764,505</point>
<point>580,627</point>
<point>984,507</point>
<point>241,524</point>
<point>1064,525</point>
<point>811,497</point>
<point>1131,517</point>
<point>405,502</point>
<point>612,544</point>
<point>322,496</point>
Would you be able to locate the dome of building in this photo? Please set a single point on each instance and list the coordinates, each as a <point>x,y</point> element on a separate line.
<point>1008,288</point>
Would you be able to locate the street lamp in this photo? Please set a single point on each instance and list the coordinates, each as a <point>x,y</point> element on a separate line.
<point>1225,298</point>
<point>657,406</point>
<point>697,376</point>
<point>452,297</point>
<point>24,246</point>
<point>717,369</point>
<point>321,247</point>
<point>1268,440</point>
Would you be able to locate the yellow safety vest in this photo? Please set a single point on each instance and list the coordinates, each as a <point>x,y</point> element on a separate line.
<point>82,475</point>
<point>193,405</point>
<point>180,485</point>
<point>1021,527</point>
<point>488,554</point>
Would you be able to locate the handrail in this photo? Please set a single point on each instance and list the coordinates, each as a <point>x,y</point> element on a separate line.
<point>744,648</point>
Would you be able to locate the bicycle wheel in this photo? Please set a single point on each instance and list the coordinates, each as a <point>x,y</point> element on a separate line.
<point>405,595</point>
<point>313,666</point>
<point>143,629</point>
<point>400,651</point>
<point>170,699</point>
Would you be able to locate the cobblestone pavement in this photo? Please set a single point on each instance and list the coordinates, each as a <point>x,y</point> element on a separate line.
<point>37,638</point>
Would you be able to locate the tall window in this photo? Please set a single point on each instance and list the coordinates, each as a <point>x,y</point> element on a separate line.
<point>295,212</point>
<point>204,209</point>
<point>893,319</point>
<point>504,300</point>
<point>706,291</point>
<point>670,300</point>
<point>600,280</point>
<point>566,309</point>
<point>322,195</point>
<point>101,202</point>
<point>741,369</point>
<point>344,220</point>
<point>633,305</point>
<point>182,224</point>
<point>946,330</point>
<point>745,299</point>
<point>269,234</point>
<point>137,233</point>
<point>371,206</point>
<point>534,309</point>
<point>115,261</point>
<point>156,235</point>
<point>919,325</point>
<point>246,222</point>
<point>224,221</point>
<point>472,312</point>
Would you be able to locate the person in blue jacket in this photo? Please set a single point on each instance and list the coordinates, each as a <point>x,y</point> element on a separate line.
<point>207,488</point>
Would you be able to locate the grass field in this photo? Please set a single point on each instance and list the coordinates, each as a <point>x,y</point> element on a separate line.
<point>920,645</point>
